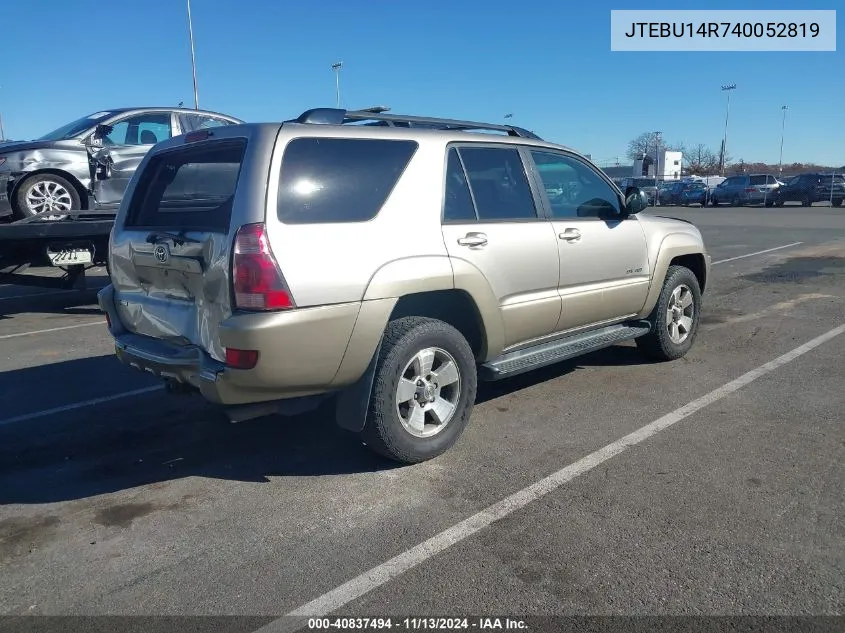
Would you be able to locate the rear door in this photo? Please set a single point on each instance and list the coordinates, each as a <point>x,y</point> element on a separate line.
<point>492,221</point>
<point>170,256</point>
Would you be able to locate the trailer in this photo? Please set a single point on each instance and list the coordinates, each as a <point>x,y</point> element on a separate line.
<point>74,243</point>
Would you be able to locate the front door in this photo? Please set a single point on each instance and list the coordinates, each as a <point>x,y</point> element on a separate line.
<point>604,268</point>
<point>492,222</point>
<point>121,151</point>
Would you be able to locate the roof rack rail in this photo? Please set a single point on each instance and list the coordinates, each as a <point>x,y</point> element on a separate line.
<point>377,116</point>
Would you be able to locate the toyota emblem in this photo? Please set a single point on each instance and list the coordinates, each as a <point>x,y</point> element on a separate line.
<point>161,253</point>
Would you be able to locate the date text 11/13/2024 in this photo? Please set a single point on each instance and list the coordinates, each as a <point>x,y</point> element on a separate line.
<point>418,624</point>
<point>723,29</point>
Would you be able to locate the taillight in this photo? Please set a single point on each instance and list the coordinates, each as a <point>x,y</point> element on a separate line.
<point>750,190</point>
<point>241,358</point>
<point>256,279</point>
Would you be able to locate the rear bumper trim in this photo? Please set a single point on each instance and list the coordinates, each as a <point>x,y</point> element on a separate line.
<point>185,364</point>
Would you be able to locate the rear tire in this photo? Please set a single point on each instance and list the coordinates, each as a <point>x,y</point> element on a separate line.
<point>671,338</point>
<point>418,356</point>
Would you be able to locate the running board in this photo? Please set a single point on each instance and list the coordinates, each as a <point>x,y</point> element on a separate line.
<point>537,356</point>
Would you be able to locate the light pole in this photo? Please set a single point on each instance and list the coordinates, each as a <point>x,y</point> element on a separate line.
<point>656,167</point>
<point>782,127</point>
<point>2,133</point>
<point>725,138</point>
<point>336,68</point>
<point>193,57</point>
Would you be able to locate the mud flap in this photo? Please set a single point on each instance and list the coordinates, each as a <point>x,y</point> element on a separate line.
<point>353,402</point>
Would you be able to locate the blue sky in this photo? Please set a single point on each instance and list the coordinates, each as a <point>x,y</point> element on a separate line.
<point>548,62</point>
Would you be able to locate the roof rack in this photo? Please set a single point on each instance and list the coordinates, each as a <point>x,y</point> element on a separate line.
<point>378,116</point>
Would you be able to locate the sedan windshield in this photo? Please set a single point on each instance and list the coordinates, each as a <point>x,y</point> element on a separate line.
<point>74,128</point>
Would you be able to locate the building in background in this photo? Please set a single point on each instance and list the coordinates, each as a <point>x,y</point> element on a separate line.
<point>668,166</point>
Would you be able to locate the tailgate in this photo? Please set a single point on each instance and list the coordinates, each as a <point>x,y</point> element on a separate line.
<point>170,259</point>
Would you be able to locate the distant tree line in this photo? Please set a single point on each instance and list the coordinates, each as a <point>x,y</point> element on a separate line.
<point>701,160</point>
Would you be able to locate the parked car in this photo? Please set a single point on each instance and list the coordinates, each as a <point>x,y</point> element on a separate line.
<point>646,185</point>
<point>52,173</point>
<point>695,193</point>
<point>745,189</point>
<point>810,188</point>
<point>232,292</point>
<point>672,193</point>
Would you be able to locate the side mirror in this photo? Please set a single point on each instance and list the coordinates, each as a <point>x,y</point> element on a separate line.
<point>102,130</point>
<point>95,139</point>
<point>635,201</point>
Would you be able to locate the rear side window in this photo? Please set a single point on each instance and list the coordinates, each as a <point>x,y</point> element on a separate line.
<point>458,205</point>
<point>499,184</point>
<point>189,189</point>
<point>758,180</point>
<point>328,180</point>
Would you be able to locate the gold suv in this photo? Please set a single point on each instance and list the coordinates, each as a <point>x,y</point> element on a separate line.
<point>388,262</point>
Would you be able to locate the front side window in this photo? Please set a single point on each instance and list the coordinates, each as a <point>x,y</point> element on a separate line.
<point>141,129</point>
<point>499,184</point>
<point>575,190</point>
<point>328,180</point>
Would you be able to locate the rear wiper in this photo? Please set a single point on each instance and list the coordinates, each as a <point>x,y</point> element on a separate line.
<point>178,238</point>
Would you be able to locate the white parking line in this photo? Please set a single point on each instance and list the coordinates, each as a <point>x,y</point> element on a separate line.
<point>37,294</point>
<point>53,329</point>
<point>79,405</point>
<point>768,250</point>
<point>377,576</point>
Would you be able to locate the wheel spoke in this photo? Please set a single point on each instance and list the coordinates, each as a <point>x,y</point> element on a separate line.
<point>676,294</point>
<point>406,390</point>
<point>442,409</point>
<point>417,418</point>
<point>686,299</point>
<point>424,361</point>
<point>446,374</point>
<point>685,324</point>
<point>674,334</point>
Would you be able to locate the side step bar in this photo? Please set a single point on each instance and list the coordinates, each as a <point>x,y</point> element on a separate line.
<point>537,356</point>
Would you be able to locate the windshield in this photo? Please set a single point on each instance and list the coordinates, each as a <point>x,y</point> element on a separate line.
<point>73,128</point>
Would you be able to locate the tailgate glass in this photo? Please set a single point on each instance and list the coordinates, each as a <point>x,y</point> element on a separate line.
<point>188,189</point>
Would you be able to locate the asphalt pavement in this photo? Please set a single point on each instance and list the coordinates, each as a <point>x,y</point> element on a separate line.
<point>606,485</point>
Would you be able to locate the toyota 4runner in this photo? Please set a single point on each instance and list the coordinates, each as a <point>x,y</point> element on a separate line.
<point>388,262</point>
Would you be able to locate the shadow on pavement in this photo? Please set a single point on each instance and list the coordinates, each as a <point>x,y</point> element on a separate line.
<point>154,438</point>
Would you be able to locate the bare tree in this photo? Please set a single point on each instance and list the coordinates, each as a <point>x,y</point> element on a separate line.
<point>701,160</point>
<point>647,142</point>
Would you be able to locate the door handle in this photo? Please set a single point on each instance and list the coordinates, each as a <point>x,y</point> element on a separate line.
<point>570,235</point>
<point>473,239</point>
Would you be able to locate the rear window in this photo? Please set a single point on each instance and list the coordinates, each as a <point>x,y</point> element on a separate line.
<point>189,189</point>
<point>326,180</point>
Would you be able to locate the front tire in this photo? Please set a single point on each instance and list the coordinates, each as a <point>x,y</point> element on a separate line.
<point>423,392</point>
<point>46,192</point>
<point>675,318</point>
